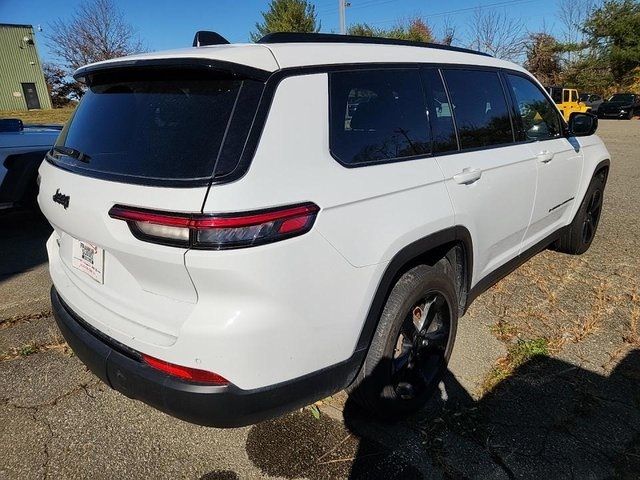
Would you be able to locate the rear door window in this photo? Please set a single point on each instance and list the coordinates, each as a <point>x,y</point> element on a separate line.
<point>377,116</point>
<point>479,108</point>
<point>160,125</point>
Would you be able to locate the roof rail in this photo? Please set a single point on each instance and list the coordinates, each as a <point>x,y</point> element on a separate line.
<point>203,38</point>
<point>290,37</point>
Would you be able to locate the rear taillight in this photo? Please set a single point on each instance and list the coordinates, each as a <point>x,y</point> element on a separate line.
<point>185,373</point>
<point>221,231</point>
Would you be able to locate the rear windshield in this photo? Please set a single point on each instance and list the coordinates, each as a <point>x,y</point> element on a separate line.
<point>165,125</point>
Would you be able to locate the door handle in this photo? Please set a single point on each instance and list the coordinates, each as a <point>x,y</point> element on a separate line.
<point>545,156</point>
<point>468,176</point>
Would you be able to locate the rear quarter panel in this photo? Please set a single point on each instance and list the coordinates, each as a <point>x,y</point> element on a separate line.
<point>312,293</point>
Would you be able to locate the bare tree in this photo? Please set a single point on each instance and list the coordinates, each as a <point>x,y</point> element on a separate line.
<point>498,34</point>
<point>573,15</point>
<point>96,31</point>
<point>448,31</point>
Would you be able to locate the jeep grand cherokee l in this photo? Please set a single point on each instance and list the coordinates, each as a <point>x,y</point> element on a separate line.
<point>240,230</point>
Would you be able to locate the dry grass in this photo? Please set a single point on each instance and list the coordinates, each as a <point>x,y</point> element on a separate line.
<point>56,115</point>
<point>55,342</point>
<point>631,335</point>
<point>10,321</point>
<point>590,323</point>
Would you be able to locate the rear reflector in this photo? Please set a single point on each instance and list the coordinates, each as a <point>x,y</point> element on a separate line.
<point>185,373</point>
<point>221,231</point>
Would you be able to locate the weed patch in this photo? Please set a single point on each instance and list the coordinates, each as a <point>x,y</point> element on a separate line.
<point>518,354</point>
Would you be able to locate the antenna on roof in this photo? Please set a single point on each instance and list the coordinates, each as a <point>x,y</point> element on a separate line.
<point>204,38</point>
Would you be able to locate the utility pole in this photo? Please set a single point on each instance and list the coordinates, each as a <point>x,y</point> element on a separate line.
<point>343,16</point>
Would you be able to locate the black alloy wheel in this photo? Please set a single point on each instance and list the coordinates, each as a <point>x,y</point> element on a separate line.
<point>419,356</point>
<point>590,223</point>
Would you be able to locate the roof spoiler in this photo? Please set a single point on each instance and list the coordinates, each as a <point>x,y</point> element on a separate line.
<point>204,38</point>
<point>84,74</point>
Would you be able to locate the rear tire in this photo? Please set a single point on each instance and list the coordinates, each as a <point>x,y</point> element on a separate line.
<point>578,237</point>
<point>412,343</point>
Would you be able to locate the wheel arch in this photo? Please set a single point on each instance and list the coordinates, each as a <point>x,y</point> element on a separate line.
<point>603,165</point>
<point>455,243</point>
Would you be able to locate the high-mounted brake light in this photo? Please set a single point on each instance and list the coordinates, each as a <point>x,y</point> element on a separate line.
<point>221,231</point>
<point>185,373</point>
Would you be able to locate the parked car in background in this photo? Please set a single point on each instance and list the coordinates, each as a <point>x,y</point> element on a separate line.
<point>22,149</point>
<point>229,271</point>
<point>620,105</point>
<point>592,101</point>
<point>567,100</point>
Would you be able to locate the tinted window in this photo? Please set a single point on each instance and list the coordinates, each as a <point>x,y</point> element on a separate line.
<point>622,97</point>
<point>574,96</point>
<point>377,116</point>
<point>538,114</point>
<point>556,94</point>
<point>166,126</point>
<point>479,108</point>
<point>440,113</point>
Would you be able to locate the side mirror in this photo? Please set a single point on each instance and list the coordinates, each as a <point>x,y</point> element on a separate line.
<point>582,124</point>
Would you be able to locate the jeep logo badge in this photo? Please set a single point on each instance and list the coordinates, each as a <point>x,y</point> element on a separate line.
<point>61,198</point>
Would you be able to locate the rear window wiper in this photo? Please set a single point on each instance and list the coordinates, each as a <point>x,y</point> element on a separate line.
<point>72,152</point>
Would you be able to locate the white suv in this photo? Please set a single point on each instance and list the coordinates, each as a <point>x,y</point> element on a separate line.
<point>240,230</point>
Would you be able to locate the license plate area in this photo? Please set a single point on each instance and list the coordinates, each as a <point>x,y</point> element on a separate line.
<point>88,258</point>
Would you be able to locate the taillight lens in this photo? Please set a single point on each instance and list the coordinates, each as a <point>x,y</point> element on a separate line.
<point>221,231</point>
<point>185,373</point>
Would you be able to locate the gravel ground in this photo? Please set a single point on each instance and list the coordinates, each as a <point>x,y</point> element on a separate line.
<point>544,381</point>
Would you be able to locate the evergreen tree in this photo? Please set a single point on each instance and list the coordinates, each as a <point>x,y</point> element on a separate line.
<point>287,16</point>
<point>613,35</point>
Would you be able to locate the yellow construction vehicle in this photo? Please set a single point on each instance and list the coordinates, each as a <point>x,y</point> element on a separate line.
<point>567,100</point>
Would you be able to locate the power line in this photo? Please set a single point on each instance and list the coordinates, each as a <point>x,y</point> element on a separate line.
<point>368,3</point>
<point>462,10</point>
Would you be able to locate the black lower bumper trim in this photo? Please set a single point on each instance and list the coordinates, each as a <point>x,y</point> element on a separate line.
<point>216,406</point>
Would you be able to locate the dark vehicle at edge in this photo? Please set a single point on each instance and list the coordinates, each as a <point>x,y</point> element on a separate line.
<point>22,149</point>
<point>620,105</point>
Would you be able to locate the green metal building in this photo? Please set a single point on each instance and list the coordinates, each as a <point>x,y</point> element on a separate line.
<point>22,85</point>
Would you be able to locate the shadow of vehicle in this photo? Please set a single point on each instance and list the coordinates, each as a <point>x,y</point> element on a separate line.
<point>23,235</point>
<point>550,419</point>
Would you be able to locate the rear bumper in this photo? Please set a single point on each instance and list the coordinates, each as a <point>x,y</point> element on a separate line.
<point>218,406</point>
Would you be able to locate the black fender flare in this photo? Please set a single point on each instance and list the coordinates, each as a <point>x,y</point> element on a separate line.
<point>398,265</point>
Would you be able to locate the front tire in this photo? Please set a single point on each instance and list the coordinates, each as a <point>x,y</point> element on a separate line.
<point>412,343</point>
<point>578,237</point>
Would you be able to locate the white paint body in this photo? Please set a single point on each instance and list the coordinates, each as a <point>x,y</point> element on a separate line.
<point>267,314</point>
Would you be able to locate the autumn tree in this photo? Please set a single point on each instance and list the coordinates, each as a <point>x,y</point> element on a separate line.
<point>543,57</point>
<point>62,88</point>
<point>287,16</point>
<point>414,29</point>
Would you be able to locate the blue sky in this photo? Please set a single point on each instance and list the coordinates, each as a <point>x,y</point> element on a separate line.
<point>171,24</point>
